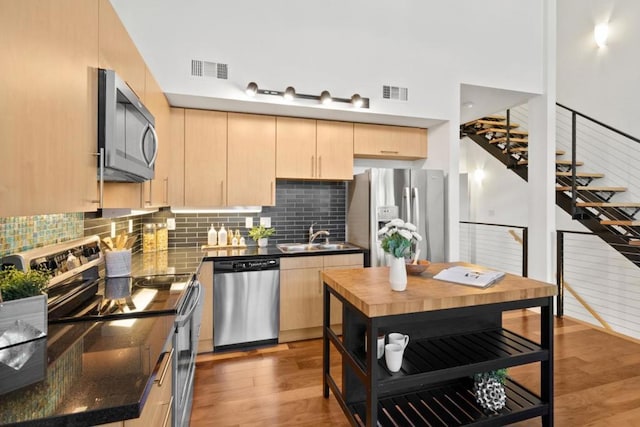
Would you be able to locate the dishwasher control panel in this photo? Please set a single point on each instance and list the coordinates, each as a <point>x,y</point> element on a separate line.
<point>246,264</point>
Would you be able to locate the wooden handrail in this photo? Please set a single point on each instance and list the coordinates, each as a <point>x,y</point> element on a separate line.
<point>587,306</point>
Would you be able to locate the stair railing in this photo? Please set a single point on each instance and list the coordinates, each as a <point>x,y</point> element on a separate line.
<point>575,212</point>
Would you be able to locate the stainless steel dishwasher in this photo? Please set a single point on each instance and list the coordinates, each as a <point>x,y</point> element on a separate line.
<point>246,303</point>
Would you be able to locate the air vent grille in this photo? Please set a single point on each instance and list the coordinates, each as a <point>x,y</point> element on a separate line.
<point>395,92</point>
<point>216,70</point>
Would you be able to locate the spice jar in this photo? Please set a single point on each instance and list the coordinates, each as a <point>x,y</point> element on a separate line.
<point>149,238</point>
<point>162,237</point>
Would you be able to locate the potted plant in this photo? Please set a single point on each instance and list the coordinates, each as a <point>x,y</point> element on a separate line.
<point>260,234</point>
<point>397,238</point>
<point>23,305</point>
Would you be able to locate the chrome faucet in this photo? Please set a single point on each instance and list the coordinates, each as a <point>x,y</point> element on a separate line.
<point>312,235</point>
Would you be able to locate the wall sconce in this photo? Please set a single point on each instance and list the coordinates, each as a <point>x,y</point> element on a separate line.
<point>478,175</point>
<point>324,98</point>
<point>601,33</point>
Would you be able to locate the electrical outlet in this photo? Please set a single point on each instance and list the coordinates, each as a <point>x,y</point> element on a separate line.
<point>265,221</point>
<point>130,226</point>
<point>248,222</point>
<point>113,229</point>
<point>171,224</point>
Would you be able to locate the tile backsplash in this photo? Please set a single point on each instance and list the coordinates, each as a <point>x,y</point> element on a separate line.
<point>298,205</point>
<point>21,233</point>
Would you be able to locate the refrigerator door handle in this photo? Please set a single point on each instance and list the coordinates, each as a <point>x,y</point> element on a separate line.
<point>416,207</point>
<point>407,204</point>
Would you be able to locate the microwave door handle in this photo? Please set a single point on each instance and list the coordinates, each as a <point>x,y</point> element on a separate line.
<point>148,128</point>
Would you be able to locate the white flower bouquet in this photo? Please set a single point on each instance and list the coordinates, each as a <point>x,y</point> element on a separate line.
<point>398,237</point>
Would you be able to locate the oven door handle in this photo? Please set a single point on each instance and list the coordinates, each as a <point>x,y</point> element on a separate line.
<point>181,320</point>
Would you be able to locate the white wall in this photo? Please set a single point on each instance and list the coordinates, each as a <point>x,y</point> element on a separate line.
<point>344,47</point>
<point>600,82</point>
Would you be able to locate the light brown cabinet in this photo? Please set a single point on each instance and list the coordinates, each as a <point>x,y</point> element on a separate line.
<point>48,98</point>
<point>251,160</point>
<point>389,142</point>
<point>301,294</point>
<point>156,191</point>
<point>314,149</point>
<point>176,163</point>
<point>205,341</point>
<point>205,158</point>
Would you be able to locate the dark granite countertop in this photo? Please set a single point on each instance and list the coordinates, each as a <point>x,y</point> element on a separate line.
<point>94,373</point>
<point>100,372</point>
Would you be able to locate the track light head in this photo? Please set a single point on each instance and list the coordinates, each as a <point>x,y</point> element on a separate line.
<point>289,93</point>
<point>356,100</point>
<point>252,89</point>
<point>325,97</point>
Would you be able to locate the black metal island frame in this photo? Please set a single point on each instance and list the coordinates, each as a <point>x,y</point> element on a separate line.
<point>455,331</point>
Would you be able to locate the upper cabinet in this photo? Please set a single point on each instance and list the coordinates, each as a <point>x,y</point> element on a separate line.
<point>389,142</point>
<point>334,150</point>
<point>156,191</point>
<point>314,149</point>
<point>48,125</point>
<point>176,163</point>
<point>205,158</point>
<point>251,161</point>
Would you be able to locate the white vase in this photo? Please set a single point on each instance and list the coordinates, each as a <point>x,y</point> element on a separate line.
<point>397,274</point>
<point>263,242</point>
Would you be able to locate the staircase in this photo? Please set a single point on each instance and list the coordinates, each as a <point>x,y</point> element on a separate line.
<point>594,206</point>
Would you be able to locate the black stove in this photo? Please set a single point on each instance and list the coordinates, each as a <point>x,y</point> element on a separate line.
<point>77,292</point>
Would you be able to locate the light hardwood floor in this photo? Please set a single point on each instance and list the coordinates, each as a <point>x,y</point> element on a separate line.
<point>597,381</point>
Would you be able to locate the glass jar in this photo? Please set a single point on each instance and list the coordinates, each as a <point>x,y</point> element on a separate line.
<point>149,238</point>
<point>162,237</point>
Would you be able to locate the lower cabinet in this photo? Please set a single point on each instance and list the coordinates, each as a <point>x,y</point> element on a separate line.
<point>301,294</point>
<point>157,409</point>
<point>205,342</point>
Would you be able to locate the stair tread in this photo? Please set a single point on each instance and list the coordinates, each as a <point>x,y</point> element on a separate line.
<point>589,188</point>
<point>608,204</point>
<point>568,163</point>
<point>582,174</point>
<point>634,242</point>
<point>558,162</point>
<point>504,139</point>
<point>502,124</point>
<point>525,149</point>
<point>500,130</point>
<point>620,222</point>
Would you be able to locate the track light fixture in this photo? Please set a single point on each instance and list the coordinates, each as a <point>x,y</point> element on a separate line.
<point>289,94</point>
<point>252,89</point>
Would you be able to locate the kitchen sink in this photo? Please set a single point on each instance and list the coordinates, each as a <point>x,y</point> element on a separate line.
<point>313,247</point>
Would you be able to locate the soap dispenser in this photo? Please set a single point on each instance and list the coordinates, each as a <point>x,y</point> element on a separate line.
<point>212,236</point>
<point>222,236</point>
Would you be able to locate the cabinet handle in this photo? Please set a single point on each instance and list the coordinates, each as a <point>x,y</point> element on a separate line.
<point>100,200</point>
<point>388,152</point>
<point>313,166</point>
<point>166,190</point>
<point>319,166</point>
<point>165,423</point>
<point>165,368</point>
<point>148,202</point>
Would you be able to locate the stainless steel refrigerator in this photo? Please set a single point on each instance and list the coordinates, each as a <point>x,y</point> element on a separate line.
<point>380,195</point>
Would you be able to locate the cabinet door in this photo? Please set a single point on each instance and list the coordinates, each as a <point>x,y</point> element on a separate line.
<point>175,184</point>
<point>157,408</point>
<point>157,190</point>
<point>391,142</point>
<point>336,262</point>
<point>300,293</point>
<point>334,150</point>
<point>251,162</point>
<point>295,148</point>
<point>205,342</point>
<point>205,158</point>
<point>49,105</point>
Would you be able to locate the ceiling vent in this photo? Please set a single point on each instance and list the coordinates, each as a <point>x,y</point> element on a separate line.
<point>209,69</point>
<point>395,92</point>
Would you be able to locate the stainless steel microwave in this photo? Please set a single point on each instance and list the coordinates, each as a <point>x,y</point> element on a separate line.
<point>127,139</point>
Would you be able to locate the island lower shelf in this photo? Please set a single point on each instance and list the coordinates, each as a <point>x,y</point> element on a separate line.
<point>450,404</point>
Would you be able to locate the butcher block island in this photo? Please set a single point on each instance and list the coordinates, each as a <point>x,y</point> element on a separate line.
<point>455,331</point>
